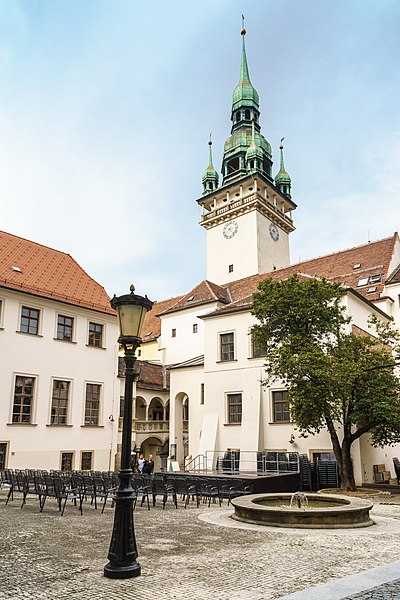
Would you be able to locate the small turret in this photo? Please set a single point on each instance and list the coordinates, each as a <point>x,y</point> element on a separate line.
<point>210,175</point>
<point>254,154</point>
<point>282,178</point>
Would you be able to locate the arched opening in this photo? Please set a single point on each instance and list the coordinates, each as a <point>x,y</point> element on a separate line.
<point>179,429</point>
<point>154,446</point>
<point>156,410</point>
<point>140,408</point>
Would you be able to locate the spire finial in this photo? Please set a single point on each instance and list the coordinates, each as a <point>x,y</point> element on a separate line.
<point>243,31</point>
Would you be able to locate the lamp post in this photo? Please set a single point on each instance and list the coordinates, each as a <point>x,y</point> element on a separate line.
<point>131,310</point>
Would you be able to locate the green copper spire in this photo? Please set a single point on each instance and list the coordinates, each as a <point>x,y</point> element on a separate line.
<point>210,175</point>
<point>245,133</point>
<point>282,178</point>
<point>244,95</point>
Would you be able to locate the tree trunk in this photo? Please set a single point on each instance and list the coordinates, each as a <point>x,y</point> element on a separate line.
<point>346,468</point>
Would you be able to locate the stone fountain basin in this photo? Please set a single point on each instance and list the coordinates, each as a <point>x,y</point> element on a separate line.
<point>349,512</point>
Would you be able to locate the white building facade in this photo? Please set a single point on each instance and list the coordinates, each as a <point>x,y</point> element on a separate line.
<point>58,348</point>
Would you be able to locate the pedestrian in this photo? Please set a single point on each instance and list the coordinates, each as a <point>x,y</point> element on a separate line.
<point>141,463</point>
<point>148,465</point>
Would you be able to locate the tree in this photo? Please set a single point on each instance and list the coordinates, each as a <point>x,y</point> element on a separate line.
<point>336,379</point>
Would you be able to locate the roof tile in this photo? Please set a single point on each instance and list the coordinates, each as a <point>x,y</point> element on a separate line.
<point>30,267</point>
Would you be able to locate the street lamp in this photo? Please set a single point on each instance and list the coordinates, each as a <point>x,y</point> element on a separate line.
<point>131,310</point>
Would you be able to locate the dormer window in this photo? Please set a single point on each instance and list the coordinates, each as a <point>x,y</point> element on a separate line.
<point>363,281</point>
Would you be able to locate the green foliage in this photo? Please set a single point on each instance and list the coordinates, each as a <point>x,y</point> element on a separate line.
<point>336,379</point>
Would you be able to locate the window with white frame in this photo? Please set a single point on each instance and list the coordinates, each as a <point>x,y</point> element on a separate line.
<point>65,328</point>
<point>24,390</point>
<point>96,334</point>
<point>29,322</point>
<point>234,408</point>
<point>257,350</point>
<point>59,402</point>
<point>92,403</point>
<point>280,407</point>
<point>227,346</point>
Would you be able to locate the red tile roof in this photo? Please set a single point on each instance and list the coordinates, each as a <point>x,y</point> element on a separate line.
<point>151,375</point>
<point>152,324</point>
<point>374,259</point>
<point>30,267</point>
<point>204,292</point>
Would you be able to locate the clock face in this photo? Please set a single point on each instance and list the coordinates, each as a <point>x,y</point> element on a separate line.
<point>230,229</point>
<point>274,232</point>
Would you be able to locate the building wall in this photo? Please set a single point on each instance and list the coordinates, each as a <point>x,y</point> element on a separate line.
<point>262,252</point>
<point>209,427</point>
<point>39,445</point>
<point>185,344</point>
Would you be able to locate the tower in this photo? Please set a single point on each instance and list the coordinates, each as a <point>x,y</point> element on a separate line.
<point>249,217</point>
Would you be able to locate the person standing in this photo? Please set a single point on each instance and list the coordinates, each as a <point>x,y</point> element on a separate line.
<point>148,465</point>
<point>141,463</point>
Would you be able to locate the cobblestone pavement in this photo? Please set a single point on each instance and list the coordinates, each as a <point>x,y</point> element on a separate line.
<point>45,556</point>
<point>388,591</point>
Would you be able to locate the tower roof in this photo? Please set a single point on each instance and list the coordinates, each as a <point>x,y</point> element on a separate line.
<point>244,94</point>
<point>282,176</point>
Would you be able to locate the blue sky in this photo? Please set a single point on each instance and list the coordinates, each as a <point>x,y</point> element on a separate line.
<point>106,107</point>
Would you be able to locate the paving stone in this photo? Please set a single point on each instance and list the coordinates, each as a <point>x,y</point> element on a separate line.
<point>182,557</point>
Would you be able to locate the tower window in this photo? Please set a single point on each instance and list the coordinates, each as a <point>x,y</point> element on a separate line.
<point>233,165</point>
<point>230,269</point>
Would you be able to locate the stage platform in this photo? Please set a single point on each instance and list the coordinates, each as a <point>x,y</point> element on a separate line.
<point>271,482</point>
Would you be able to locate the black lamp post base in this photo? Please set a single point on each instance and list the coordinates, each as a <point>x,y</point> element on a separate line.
<point>122,572</point>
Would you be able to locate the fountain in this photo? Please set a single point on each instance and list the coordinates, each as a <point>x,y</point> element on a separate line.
<point>299,510</point>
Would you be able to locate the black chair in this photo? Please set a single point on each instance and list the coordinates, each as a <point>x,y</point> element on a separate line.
<point>163,488</point>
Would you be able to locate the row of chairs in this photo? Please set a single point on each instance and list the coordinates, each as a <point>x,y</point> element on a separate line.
<point>78,487</point>
<point>62,487</point>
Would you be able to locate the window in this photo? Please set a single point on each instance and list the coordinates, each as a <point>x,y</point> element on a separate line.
<point>23,399</point>
<point>369,279</point>
<point>173,332</point>
<point>95,335</point>
<point>92,403</point>
<point>230,268</point>
<point>257,349</point>
<point>280,407</point>
<point>59,402</point>
<point>227,346</point>
<point>65,327</point>
<point>3,455</point>
<point>29,320</point>
<point>234,405</point>
<point>202,393</point>
<point>86,460</point>
<point>194,327</point>
<point>67,461</point>
<point>233,165</point>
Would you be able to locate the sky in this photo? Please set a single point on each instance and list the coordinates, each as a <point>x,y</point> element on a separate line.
<point>106,108</point>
